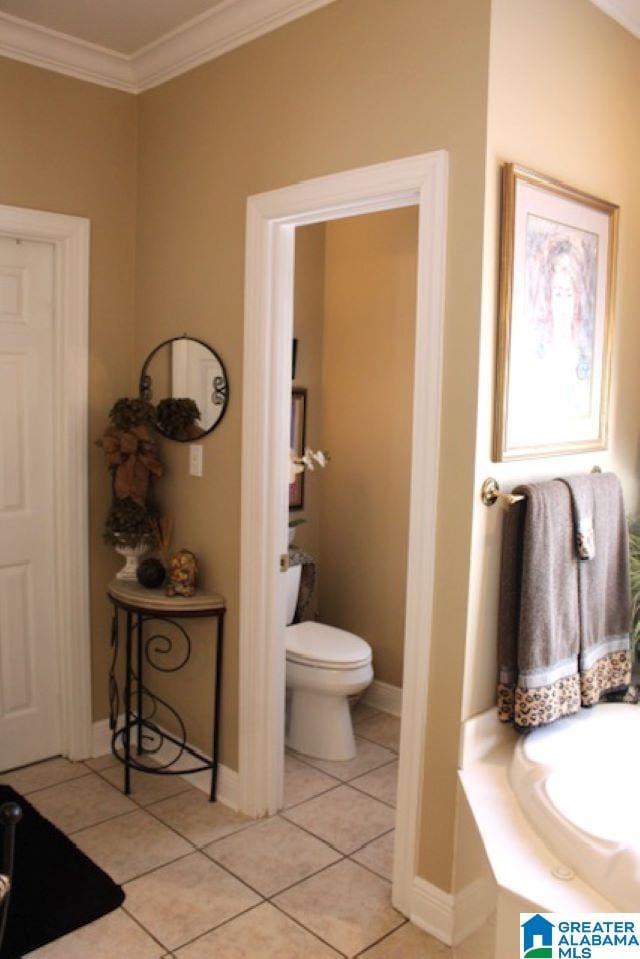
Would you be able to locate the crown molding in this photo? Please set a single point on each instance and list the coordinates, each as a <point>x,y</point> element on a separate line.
<point>227,26</point>
<point>205,37</point>
<point>42,47</point>
<point>614,9</point>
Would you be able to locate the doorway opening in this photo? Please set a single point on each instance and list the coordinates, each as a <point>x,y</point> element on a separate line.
<point>271,223</point>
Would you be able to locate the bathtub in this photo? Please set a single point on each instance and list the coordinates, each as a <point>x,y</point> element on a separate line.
<point>578,783</point>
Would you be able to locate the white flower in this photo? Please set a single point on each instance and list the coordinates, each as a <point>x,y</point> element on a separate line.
<point>298,464</point>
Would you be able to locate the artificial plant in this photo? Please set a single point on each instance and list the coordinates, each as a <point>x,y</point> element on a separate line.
<point>176,417</point>
<point>131,454</point>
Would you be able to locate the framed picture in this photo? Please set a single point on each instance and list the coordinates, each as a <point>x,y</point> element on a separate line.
<point>297,439</point>
<point>555,324</point>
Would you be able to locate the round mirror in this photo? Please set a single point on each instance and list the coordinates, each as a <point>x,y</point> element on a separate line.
<point>187,383</point>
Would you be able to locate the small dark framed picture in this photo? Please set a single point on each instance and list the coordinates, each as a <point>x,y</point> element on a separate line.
<point>297,440</point>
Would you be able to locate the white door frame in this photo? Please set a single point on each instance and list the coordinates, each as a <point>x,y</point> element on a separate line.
<point>69,236</point>
<point>271,221</point>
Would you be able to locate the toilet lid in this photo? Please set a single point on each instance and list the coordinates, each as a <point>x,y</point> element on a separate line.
<point>316,644</point>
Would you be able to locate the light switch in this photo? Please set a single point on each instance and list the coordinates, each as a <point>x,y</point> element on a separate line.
<point>195,460</point>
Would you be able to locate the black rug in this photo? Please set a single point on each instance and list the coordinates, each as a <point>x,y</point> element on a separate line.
<point>56,888</point>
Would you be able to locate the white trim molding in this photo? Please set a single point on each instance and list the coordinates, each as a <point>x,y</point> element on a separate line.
<point>271,221</point>
<point>42,47</point>
<point>227,777</point>
<point>432,910</point>
<point>385,697</point>
<point>625,12</point>
<point>69,236</point>
<point>452,917</point>
<point>224,27</point>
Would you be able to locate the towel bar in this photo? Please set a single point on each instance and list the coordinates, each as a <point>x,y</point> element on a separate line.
<point>490,491</point>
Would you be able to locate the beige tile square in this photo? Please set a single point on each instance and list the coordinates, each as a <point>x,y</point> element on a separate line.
<point>192,815</point>
<point>345,905</point>
<point>382,729</point>
<point>378,855</point>
<point>272,855</point>
<point>186,899</point>
<point>147,788</point>
<point>362,711</point>
<point>80,803</point>
<point>381,783</point>
<point>408,942</point>
<point>302,781</point>
<point>130,845</point>
<point>102,762</point>
<point>345,818</point>
<point>41,775</point>
<point>262,933</point>
<point>114,935</point>
<point>369,756</point>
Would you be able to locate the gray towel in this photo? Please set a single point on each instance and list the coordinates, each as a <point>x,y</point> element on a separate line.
<point>562,641</point>
<point>604,587</point>
<point>583,505</point>
<point>538,630</point>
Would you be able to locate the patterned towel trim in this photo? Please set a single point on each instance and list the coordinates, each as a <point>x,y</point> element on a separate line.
<point>529,708</point>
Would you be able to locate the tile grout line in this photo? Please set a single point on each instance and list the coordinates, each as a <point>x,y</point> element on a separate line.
<point>377,798</point>
<point>33,792</point>
<point>362,955</point>
<point>308,799</point>
<point>144,928</point>
<point>314,934</point>
<point>307,761</point>
<point>225,922</point>
<point>369,841</point>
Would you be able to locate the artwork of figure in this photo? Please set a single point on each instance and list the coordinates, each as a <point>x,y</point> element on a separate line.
<point>561,269</point>
<point>555,318</point>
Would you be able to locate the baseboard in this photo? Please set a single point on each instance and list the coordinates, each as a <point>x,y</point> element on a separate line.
<point>385,697</point>
<point>432,910</point>
<point>448,917</point>
<point>473,906</point>
<point>228,788</point>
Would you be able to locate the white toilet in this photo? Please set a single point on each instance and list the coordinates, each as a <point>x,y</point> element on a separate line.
<point>325,666</point>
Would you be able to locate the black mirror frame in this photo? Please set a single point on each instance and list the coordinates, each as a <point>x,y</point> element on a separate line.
<point>145,384</point>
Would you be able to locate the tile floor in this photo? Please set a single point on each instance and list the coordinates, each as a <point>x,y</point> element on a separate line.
<point>203,881</point>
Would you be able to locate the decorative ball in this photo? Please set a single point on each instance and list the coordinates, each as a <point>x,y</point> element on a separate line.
<point>151,573</point>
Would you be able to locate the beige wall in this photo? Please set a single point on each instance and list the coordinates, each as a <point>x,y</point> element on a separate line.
<point>69,147</point>
<point>357,82</point>
<point>367,388</point>
<point>308,327</point>
<point>564,84</point>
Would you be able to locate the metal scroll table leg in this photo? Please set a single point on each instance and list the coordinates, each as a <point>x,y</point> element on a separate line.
<point>216,707</point>
<point>127,708</point>
<point>139,682</point>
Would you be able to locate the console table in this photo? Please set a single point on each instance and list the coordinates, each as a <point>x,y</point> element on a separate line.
<point>139,731</point>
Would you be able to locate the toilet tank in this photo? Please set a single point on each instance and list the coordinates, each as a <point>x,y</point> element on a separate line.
<point>293,588</point>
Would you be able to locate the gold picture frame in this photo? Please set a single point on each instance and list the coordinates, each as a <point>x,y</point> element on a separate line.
<point>555,318</point>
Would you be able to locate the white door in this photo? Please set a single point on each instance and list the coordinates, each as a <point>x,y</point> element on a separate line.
<point>29,680</point>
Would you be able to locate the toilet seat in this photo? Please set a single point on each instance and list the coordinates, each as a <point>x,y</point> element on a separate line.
<point>325,647</point>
